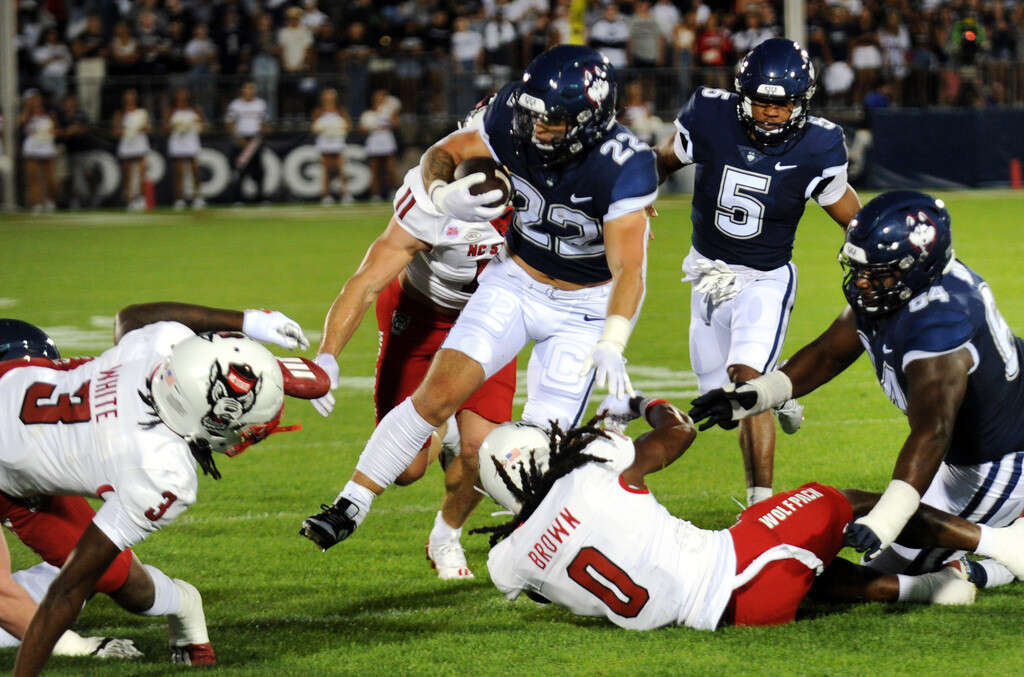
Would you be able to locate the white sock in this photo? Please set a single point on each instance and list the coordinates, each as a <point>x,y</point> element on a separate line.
<point>987,541</point>
<point>394,444</point>
<point>945,586</point>
<point>996,573</point>
<point>758,494</point>
<point>166,597</point>
<point>359,495</point>
<point>442,532</point>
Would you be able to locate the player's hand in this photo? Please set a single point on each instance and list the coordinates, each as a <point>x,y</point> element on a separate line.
<point>325,405</point>
<point>718,406</point>
<point>454,199</point>
<point>610,368</point>
<point>619,411</point>
<point>271,326</point>
<point>862,538</point>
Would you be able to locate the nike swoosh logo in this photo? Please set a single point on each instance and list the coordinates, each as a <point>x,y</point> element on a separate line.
<point>576,200</point>
<point>886,350</point>
<point>593,318</point>
<point>779,167</point>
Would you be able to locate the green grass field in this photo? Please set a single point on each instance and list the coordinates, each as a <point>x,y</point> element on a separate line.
<point>372,606</point>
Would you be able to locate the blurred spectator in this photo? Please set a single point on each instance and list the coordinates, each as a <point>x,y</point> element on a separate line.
<point>753,33</point>
<point>232,44</point>
<point>153,45</point>
<point>838,76</point>
<point>124,50</point>
<point>610,35</point>
<point>646,45</point>
<point>131,126</point>
<point>354,62</point>
<point>39,129</point>
<point>53,59</point>
<point>894,42</point>
<point>638,116</point>
<point>247,122</point>
<point>381,146</point>
<point>714,54</point>
<point>468,55</point>
<point>326,50</point>
<point>684,41</point>
<point>178,11</point>
<point>295,42</point>
<point>183,125</point>
<point>175,60</point>
<point>152,7</point>
<point>437,39</point>
<point>500,44</point>
<point>202,59</point>
<point>331,124</point>
<point>90,50</point>
<point>539,37</point>
<point>312,17</point>
<point>865,56</point>
<point>73,124</point>
<point>668,17</point>
<point>409,70</point>
<point>265,68</point>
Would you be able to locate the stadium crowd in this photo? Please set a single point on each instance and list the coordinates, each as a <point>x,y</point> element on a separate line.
<point>436,58</point>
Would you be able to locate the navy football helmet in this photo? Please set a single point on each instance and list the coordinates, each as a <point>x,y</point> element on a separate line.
<point>21,339</point>
<point>776,71</point>
<point>896,246</point>
<point>568,84</point>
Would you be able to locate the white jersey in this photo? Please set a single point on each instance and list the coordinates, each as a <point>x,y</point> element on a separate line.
<point>39,135</point>
<point>330,129</point>
<point>446,274</point>
<point>602,548</point>
<point>183,140</point>
<point>134,142</point>
<point>79,430</point>
<point>247,116</point>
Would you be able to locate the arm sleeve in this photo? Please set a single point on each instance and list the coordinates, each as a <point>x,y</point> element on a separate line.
<point>829,186</point>
<point>686,123</point>
<point>938,332</point>
<point>635,187</point>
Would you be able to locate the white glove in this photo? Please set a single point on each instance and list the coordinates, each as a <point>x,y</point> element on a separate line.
<point>325,405</point>
<point>454,199</point>
<point>876,531</point>
<point>607,357</point>
<point>618,411</point>
<point>271,326</point>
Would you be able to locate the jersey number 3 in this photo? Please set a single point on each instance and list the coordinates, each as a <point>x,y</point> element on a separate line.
<point>605,580</point>
<point>41,406</point>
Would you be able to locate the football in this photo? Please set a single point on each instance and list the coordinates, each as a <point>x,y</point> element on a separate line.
<point>497,178</point>
<point>303,378</point>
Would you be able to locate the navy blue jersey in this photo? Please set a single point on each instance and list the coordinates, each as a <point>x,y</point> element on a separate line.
<point>747,200</point>
<point>958,311</point>
<point>558,226</point>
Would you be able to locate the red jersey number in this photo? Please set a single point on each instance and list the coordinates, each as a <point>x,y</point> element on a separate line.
<point>40,405</point>
<point>153,514</point>
<point>626,599</point>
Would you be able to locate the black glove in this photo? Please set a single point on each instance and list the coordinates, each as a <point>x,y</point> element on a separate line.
<point>862,538</point>
<point>716,406</point>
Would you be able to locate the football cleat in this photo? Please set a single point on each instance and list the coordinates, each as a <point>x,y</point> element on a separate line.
<point>948,585</point>
<point>332,525</point>
<point>791,416</point>
<point>113,647</point>
<point>1009,547</point>
<point>449,559</point>
<point>187,628</point>
<point>195,655</point>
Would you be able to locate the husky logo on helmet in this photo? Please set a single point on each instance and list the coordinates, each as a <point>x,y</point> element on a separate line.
<point>230,395</point>
<point>923,234</point>
<point>595,81</point>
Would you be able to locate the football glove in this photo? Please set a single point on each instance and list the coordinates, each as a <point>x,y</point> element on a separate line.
<point>325,405</point>
<point>455,200</point>
<point>271,326</point>
<point>619,411</point>
<point>876,531</point>
<point>725,406</point>
<point>607,357</point>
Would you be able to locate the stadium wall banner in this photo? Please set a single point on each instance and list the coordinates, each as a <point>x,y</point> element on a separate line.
<point>291,170</point>
<point>944,149</point>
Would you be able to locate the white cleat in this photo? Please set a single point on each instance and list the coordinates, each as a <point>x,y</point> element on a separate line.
<point>449,559</point>
<point>190,643</point>
<point>198,203</point>
<point>791,416</point>
<point>1008,547</point>
<point>112,647</point>
<point>179,205</point>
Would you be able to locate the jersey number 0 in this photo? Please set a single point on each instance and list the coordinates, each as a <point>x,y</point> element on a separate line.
<point>606,580</point>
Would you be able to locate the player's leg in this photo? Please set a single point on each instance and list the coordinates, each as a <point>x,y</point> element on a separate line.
<point>758,319</point>
<point>487,335</point>
<point>50,170</point>
<point>178,164</point>
<point>196,192</point>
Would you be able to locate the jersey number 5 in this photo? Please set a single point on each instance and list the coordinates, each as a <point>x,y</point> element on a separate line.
<point>605,580</point>
<point>40,405</point>
<point>739,213</point>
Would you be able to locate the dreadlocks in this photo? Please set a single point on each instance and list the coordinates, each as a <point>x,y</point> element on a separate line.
<point>200,448</point>
<point>566,455</point>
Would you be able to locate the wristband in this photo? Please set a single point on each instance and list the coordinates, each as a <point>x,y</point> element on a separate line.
<point>893,510</point>
<point>434,185</point>
<point>617,329</point>
<point>645,406</point>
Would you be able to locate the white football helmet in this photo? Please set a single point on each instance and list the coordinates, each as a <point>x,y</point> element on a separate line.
<point>510,446</point>
<point>221,388</point>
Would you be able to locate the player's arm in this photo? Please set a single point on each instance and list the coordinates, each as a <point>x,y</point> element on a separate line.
<point>262,325</point>
<point>64,599</point>
<point>16,606</point>
<point>843,209</point>
<point>935,390</point>
<point>672,435</point>
<point>451,197</point>
<point>667,159</point>
<point>813,365</point>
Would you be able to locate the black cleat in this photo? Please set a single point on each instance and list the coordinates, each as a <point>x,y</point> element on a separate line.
<point>331,526</point>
